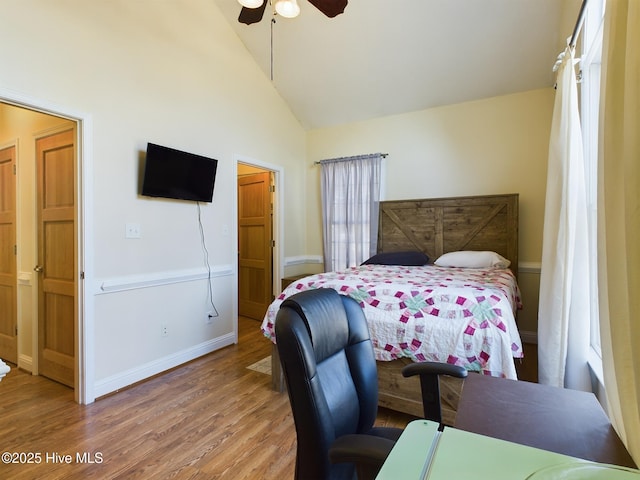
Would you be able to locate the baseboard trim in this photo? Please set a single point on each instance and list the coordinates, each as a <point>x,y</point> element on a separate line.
<point>25,362</point>
<point>121,380</point>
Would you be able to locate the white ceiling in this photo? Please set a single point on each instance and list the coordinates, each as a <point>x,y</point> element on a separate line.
<point>383,57</point>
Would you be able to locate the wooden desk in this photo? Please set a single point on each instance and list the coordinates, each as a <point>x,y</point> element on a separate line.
<point>422,452</point>
<point>555,419</point>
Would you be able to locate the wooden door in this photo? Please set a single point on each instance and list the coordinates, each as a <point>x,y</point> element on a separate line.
<point>255,244</point>
<point>57,311</point>
<point>8,275</point>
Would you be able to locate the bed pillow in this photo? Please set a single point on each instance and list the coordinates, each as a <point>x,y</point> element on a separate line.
<point>472,259</point>
<point>407,259</point>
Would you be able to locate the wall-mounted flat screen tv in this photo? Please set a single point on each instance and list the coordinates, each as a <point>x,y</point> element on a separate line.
<point>171,173</point>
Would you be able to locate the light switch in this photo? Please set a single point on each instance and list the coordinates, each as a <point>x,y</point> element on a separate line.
<point>132,230</point>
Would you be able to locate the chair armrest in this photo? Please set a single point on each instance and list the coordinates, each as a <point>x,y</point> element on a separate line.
<point>434,368</point>
<point>429,373</point>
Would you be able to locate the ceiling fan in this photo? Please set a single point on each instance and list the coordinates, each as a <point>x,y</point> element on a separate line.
<point>253,10</point>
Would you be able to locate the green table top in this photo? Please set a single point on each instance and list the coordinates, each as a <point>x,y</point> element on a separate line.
<point>463,455</point>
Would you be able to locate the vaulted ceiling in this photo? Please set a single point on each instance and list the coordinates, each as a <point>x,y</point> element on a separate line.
<point>384,57</point>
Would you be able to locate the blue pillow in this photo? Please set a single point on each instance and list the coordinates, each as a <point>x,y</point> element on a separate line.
<point>408,259</point>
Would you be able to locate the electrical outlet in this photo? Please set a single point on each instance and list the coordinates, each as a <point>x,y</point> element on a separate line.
<point>164,330</point>
<point>132,230</point>
<point>209,317</point>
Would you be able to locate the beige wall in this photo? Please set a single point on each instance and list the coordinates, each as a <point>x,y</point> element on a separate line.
<point>149,71</point>
<point>491,146</point>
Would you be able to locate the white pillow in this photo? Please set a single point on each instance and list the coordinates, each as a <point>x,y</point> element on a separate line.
<point>472,259</point>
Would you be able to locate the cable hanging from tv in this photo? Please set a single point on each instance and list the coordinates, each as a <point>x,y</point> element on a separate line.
<point>206,262</point>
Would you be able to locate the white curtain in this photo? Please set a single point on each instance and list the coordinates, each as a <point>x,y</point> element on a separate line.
<point>619,219</point>
<point>563,313</point>
<point>350,197</point>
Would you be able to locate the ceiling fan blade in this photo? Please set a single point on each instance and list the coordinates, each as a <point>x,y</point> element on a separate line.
<point>330,8</point>
<point>252,15</point>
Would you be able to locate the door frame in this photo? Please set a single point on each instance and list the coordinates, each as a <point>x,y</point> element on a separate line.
<point>84,377</point>
<point>278,218</point>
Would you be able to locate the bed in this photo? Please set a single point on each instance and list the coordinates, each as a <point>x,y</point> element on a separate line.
<point>464,316</point>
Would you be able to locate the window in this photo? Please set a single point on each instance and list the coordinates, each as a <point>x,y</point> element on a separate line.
<point>350,196</point>
<point>590,63</point>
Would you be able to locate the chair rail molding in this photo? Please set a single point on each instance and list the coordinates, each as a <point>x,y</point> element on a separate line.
<point>529,267</point>
<point>148,280</point>
<point>303,259</point>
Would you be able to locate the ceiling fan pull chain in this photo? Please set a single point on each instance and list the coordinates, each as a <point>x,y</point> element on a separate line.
<point>273,21</point>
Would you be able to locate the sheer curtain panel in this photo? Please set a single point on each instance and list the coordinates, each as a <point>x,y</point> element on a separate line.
<point>563,313</point>
<point>350,197</point>
<point>619,219</point>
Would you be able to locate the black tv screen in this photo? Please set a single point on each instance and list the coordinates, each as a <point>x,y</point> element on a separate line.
<point>171,173</point>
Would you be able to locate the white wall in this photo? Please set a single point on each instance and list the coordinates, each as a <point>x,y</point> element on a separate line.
<point>492,146</point>
<point>172,73</point>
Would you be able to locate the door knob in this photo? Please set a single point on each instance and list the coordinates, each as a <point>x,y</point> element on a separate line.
<point>38,268</point>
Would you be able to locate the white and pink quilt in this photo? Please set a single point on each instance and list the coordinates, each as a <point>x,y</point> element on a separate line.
<point>461,316</point>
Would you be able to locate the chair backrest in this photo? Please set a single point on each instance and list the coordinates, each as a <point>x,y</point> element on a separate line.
<point>330,371</point>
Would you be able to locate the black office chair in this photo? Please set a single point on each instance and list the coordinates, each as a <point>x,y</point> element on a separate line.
<point>331,377</point>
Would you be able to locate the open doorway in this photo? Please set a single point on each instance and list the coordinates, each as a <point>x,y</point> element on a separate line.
<point>45,171</point>
<point>255,240</point>
<point>258,234</point>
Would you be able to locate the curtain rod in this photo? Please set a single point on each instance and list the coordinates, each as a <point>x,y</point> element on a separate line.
<point>344,159</point>
<point>579,22</point>
<point>574,35</point>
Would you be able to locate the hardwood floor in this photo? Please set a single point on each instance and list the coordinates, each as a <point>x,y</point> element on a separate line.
<point>211,418</point>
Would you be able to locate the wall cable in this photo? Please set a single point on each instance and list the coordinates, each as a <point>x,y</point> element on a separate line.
<point>206,262</point>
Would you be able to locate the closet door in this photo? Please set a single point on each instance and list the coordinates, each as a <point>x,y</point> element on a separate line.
<point>56,257</point>
<point>255,245</point>
<point>8,275</point>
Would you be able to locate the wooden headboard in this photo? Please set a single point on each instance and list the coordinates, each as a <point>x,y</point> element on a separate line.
<point>440,225</point>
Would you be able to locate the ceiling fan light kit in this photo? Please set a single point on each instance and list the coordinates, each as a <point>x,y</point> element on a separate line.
<point>251,3</point>
<point>287,8</point>
<point>253,10</point>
